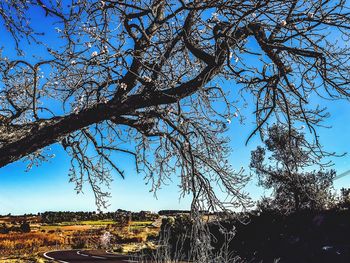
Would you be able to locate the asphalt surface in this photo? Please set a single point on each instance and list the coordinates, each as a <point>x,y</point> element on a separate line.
<point>81,256</point>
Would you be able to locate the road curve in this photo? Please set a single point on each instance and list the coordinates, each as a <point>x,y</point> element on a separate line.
<point>81,256</point>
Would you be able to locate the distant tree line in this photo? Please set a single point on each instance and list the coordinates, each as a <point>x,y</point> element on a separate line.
<point>173,212</point>
<point>67,216</point>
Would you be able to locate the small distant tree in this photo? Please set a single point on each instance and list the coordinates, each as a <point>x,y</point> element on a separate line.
<point>4,229</point>
<point>344,198</point>
<point>25,227</point>
<point>284,170</point>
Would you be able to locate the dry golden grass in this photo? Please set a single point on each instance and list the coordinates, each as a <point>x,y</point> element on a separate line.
<point>43,237</point>
<point>26,243</point>
<point>66,228</point>
<point>31,259</point>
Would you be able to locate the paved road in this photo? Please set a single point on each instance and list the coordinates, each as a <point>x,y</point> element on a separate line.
<point>79,256</point>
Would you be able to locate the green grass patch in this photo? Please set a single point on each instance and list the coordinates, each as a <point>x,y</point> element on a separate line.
<point>49,227</point>
<point>141,223</point>
<point>91,222</point>
<point>136,225</point>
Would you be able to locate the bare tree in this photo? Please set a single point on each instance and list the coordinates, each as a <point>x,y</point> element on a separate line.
<point>143,78</point>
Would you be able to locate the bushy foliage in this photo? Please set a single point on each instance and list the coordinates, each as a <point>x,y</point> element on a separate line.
<point>25,227</point>
<point>283,164</point>
<point>344,199</point>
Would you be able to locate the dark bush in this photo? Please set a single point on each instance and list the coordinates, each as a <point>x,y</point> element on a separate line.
<point>25,227</point>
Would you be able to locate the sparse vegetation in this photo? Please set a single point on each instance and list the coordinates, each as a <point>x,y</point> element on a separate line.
<point>15,244</point>
<point>19,240</point>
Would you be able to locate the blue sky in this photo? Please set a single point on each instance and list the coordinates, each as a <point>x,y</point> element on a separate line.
<point>46,188</point>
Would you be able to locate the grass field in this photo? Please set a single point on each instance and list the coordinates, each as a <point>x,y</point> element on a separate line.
<point>140,224</point>
<point>73,226</point>
<point>94,223</point>
<point>31,259</point>
<point>79,234</point>
<point>64,227</point>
